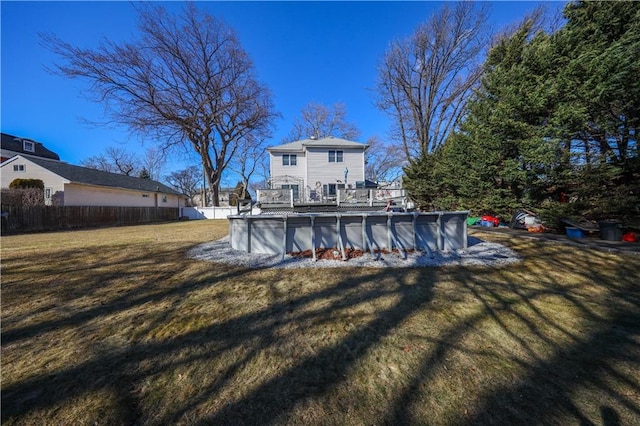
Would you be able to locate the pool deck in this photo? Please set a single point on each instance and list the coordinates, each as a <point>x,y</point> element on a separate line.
<point>593,242</point>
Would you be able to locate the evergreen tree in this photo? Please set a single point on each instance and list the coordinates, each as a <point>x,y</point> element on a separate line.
<point>501,151</point>
<point>600,108</point>
<point>554,120</point>
<point>144,173</point>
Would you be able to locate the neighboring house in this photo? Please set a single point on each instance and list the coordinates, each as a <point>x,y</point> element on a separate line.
<point>68,185</point>
<point>12,146</point>
<point>315,168</point>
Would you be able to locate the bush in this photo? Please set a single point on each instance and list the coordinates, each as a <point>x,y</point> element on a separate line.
<point>27,183</point>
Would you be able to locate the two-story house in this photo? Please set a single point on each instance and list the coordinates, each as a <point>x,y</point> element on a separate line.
<point>315,169</point>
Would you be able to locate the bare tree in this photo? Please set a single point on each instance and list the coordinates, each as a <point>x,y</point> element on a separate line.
<point>184,81</point>
<point>262,173</point>
<point>114,160</point>
<point>425,80</point>
<point>383,161</point>
<point>186,181</point>
<point>317,120</point>
<point>154,160</point>
<point>118,160</point>
<point>247,161</point>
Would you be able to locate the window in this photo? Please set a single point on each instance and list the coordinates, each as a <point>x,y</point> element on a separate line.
<point>28,146</point>
<point>164,198</point>
<point>336,156</point>
<point>19,168</point>
<point>145,195</point>
<point>289,159</point>
<point>330,189</point>
<point>296,190</point>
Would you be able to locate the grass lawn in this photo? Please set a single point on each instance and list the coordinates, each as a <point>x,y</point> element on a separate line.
<point>117,326</point>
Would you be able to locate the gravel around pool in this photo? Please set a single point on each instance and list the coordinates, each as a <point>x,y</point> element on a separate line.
<point>478,253</point>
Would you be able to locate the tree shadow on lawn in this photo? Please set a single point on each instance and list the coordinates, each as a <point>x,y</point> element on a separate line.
<point>553,359</point>
<point>123,367</point>
<point>560,361</point>
<point>128,282</point>
<point>78,303</point>
<point>605,361</point>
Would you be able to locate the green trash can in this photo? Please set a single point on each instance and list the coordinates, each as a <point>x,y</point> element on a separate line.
<point>611,230</point>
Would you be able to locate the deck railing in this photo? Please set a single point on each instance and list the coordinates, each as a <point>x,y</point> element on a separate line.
<point>281,197</point>
<point>287,197</point>
<point>370,196</point>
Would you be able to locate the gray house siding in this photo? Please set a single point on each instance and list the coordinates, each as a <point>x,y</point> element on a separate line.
<point>321,170</point>
<point>314,171</point>
<point>298,171</point>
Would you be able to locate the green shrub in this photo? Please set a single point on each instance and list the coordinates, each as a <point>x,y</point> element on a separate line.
<point>27,183</point>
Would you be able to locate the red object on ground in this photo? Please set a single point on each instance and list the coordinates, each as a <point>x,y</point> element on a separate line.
<point>493,219</point>
<point>563,197</point>
<point>630,237</point>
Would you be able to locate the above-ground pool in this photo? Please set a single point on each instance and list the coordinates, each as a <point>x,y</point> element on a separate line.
<point>366,231</point>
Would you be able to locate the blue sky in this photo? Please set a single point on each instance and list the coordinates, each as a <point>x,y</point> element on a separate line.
<point>325,52</point>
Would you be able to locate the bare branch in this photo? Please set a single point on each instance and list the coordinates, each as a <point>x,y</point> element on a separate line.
<point>185,181</point>
<point>383,161</point>
<point>319,121</point>
<point>424,81</point>
<point>185,79</point>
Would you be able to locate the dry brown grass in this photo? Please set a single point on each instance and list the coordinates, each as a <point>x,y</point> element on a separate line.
<point>117,326</point>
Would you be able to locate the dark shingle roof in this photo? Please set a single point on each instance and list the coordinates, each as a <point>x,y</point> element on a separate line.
<point>15,144</point>
<point>89,176</point>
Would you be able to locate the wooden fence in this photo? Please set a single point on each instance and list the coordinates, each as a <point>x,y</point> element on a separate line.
<point>16,219</point>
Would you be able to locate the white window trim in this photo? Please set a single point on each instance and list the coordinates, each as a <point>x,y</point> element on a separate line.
<point>28,146</point>
<point>48,196</point>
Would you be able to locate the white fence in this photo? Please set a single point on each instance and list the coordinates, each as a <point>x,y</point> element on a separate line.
<point>212,212</point>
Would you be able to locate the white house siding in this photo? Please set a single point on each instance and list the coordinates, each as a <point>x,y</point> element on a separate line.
<point>86,195</point>
<point>321,170</point>
<point>32,171</point>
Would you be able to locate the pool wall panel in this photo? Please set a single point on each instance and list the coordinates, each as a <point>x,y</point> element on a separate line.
<point>443,231</point>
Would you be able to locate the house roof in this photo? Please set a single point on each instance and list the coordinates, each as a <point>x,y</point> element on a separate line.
<point>16,145</point>
<point>87,176</point>
<point>328,142</point>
